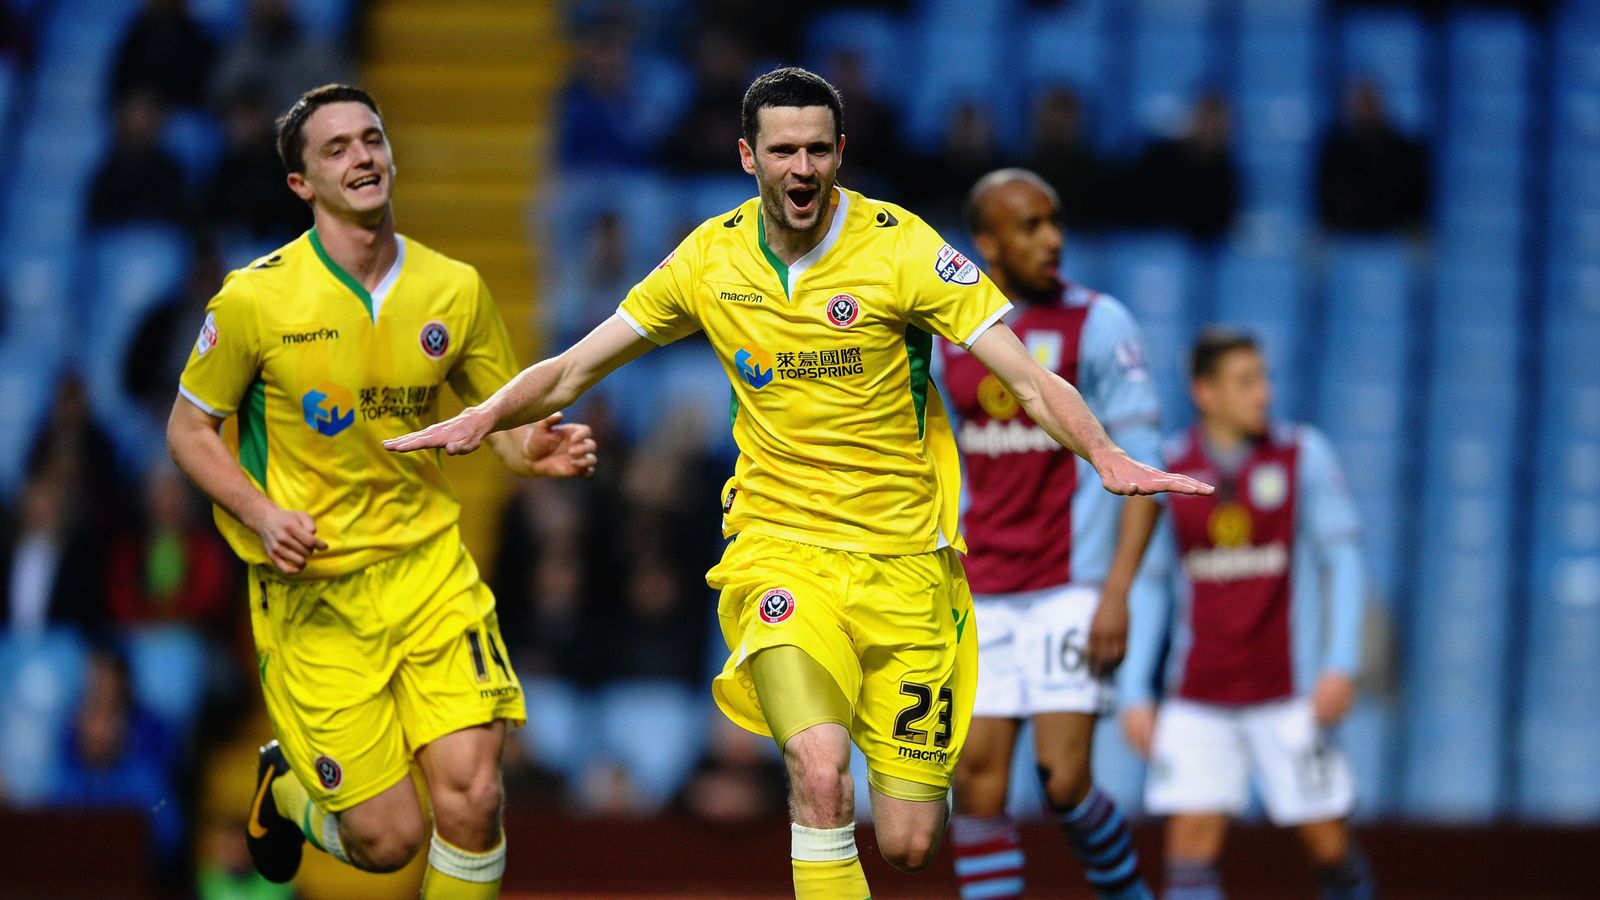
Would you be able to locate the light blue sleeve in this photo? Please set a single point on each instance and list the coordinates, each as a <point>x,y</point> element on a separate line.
<point>1328,520</point>
<point>1116,382</point>
<point>1150,605</point>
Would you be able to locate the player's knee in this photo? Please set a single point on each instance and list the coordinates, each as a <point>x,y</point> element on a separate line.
<point>910,851</point>
<point>1066,781</point>
<point>389,850</point>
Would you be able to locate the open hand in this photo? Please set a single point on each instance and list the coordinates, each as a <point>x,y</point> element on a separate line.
<point>458,435</point>
<point>1121,474</point>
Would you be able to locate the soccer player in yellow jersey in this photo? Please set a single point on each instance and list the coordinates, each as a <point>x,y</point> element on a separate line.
<point>376,638</point>
<point>844,605</point>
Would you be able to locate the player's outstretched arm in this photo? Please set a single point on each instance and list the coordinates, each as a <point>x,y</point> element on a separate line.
<point>288,536</point>
<point>1057,407</point>
<point>537,392</point>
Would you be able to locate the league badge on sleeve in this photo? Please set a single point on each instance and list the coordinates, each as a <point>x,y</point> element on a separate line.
<point>954,266</point>
<point>776,606</point>
<point>208,336</point>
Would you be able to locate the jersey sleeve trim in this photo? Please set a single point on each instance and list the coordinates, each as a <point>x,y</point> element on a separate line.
<point>194,398</point>
<point>984,326</point>
<point>634,324</point>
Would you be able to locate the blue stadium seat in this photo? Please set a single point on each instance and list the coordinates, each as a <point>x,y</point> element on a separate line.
<point>560,735</point>
<point>1559,748</point>
<point>40,287</point>
<point>1172,65</point>
<point>961,63</point>
<point>1277,178</point>
<point>1573,296</point>
<point>195,139</point>
<point>1267,298</point>
<point>169,667</point>
<point>1391,48</point>
<point>1477,303</point>
<point>40,682</point>
<point>223,18</point>
<point>1067,48</point>
<point>1174,12</point>
<point>1157,277</point>
<point>22,409</point>
<point>1279,12</point>
<point>1477,173</point>
<point>326,19</point>
<point>130,270</point>
<point>1369,284</point>
<point>881,40</point>
<point>1490,50</point>
<point>656,731</point>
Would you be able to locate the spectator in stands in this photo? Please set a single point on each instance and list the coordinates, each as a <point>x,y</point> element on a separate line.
<point>969,152</point>
<point>161,345</point>
<point>115,754</point>
<point>167,52</point>
<point>1370,177</point>
<point>706,138</point>
<point>1189,183</point>
<point>247,195</point>
<point>171,566</point>
<point>77,450</point>
<point>49,564</point>
<point>550,575</point>
<point>588,296</point>
<point>605,122</point>
<point>1061,156</point>
<point>876,150</point>
<point>139,181</point>
<point>738,780</point>
<point>665,536</point>
<point>16,44</point>
<point>275,60</point>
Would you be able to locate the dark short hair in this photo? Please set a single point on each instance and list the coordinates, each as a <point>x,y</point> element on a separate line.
<point>789,86</point>
<point>291,139</point>
<point>972,209</point>
<point>1215,343</point>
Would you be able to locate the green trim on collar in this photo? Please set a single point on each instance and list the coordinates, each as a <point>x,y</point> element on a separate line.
<point>777,264</point>
<point>344,277</point>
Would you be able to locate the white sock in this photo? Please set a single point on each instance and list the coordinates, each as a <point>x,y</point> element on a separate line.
<point>478,868</point>
<point>822,844</point>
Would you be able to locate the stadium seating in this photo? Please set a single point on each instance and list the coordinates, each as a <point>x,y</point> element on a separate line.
<point>40,680</point>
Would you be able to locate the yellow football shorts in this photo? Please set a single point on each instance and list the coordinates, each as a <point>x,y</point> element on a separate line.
<point>894,632</point>
<point>361,670</point>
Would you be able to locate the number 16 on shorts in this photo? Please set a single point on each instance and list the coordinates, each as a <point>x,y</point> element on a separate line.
<point>1053,646</point>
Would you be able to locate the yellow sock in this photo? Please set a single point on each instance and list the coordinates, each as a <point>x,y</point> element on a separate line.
<point>457,874</point>
<point>320,828</point>
<point>826,865</point>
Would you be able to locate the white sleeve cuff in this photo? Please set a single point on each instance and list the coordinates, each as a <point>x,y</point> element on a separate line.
<point>195,399</point>
<point>978,332</point>
<point>634,324</point>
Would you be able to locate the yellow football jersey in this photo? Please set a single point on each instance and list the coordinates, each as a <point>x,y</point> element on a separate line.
<point>843,441</point>
<point>319,372</point>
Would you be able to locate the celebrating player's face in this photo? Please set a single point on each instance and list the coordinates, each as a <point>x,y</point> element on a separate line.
<point>347,164</point>
<point>1021,239</point>
<point>1238,394</point>
<point>795,161</point>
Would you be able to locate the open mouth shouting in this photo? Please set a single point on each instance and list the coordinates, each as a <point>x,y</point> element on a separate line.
<point>803,199</point>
